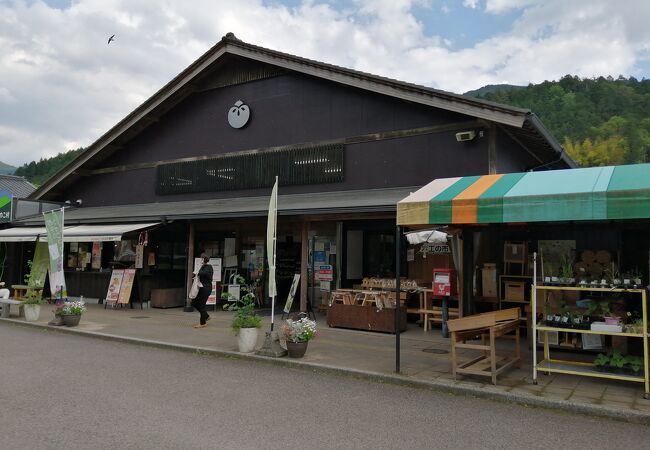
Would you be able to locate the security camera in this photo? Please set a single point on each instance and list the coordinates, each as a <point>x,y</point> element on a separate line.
<point>78,202</point>
<point>465,135</point>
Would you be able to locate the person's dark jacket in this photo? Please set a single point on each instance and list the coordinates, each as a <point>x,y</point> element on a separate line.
<point>205,275</point>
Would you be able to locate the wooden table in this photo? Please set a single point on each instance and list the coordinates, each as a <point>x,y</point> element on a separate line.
<point>20,290</point>
<point>490,325</point>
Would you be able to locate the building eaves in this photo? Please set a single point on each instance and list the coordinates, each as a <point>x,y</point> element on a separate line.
<point>181,86</point>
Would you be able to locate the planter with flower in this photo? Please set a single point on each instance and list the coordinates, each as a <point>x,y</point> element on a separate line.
<point>298,333</point>
<point>245,323</point>
<point>71,312</point>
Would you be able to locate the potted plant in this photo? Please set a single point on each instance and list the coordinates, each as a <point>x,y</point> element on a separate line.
<point>613,275</point>
<point>33,297</point>
<point>635,277</point>
<point>601,362</point>
<point>71,312</point>
<point>566,272</point>
<point>298,333</point>
<point>617,362</point>
<point>635,324</point>
<point>633,364</point>
<point>32,306</point>
<point>245,323</point>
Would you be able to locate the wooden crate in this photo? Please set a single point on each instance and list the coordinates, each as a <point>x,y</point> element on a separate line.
<point>515,290</point>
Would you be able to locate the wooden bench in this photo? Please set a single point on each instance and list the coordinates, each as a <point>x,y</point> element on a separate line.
<point>6,303</point>
<point>488,327</point>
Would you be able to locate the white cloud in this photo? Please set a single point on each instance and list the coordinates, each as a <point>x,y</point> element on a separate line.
<point>62,86</point>
<point>471,4</point>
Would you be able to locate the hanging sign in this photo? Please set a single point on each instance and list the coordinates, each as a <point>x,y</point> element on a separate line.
<point>292,293</point>
<point>96,258</point>
<point>435,249</point>
<point>139,256</point>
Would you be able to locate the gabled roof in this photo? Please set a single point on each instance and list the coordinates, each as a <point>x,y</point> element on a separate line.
<point>520,123</point>
<point>18,186</point>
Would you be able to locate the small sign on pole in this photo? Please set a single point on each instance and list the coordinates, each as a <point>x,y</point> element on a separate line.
<point>292,293</point>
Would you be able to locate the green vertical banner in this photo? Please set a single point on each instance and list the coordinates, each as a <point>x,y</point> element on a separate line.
<point>5,206</point>
<point>39,265</point>
<point>54,226</point>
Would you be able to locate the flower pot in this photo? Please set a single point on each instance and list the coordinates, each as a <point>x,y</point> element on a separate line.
<point>296,349</point>
<point>32,312</point>
<point>71,320</point>
<point>247,339</point>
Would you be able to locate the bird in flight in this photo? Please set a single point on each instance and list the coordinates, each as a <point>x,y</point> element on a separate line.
<point>112,38</point>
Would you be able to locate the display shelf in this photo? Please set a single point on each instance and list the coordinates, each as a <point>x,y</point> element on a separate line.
<point>584,369</point>
<point>550,365</point>
<point>573,330</point>
<point>585,289</point>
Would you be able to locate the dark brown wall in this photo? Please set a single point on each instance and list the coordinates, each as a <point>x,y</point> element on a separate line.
<point>292,109</point>
<point>511,157</point>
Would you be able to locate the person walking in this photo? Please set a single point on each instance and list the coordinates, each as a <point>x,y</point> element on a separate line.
<point>205,278</point>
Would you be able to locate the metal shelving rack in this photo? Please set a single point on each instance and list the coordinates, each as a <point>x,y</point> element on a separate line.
<point>549,365</point>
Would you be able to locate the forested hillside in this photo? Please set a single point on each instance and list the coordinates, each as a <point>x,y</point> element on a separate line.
<point>38,172</point>
<point>6,169</point>
<point>599,121</point>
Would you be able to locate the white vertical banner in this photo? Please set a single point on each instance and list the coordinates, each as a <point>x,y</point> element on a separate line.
<point>270,245</point>
<point>54,225</point>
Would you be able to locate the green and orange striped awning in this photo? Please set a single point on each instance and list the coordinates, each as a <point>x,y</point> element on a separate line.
<point>595,193</point>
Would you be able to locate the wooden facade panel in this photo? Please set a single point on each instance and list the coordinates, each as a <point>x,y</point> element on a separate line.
<point>285,110</point>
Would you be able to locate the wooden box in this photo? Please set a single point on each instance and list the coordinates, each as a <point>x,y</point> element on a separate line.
<point>364,317</point>
<point>489,275</point>
<point>167,298</point>
<point>515,290</point>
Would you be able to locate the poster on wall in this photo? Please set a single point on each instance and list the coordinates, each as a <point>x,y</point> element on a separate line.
<point>212,298</point>
<point>292,293</point>
<point>139,256</point>
<point>113,294</point>
<point>216,267</point>
<point>96,258</point>
<point>325,272</point>
<point>229,247</point>
<point>127,286</point>
<point>151,259</point>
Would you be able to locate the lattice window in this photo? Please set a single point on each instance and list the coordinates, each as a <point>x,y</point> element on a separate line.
<point>295,166</point>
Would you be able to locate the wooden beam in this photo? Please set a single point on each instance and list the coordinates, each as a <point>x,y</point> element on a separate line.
<point>190,264</point>
<point>492,149</point>
<point>364,138</point>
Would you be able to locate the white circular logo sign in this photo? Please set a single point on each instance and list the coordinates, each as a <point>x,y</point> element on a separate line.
<point>238,114</point>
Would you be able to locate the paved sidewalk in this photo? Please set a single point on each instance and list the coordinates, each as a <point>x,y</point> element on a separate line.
<point>425,360</point>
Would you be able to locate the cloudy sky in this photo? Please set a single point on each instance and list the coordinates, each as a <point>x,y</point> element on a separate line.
<point>62,86</point>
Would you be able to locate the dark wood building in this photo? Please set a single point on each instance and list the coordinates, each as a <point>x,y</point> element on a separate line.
<point>200,156</point>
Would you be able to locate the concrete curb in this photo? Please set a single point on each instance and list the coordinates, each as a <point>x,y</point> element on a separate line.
<point>446,386</point>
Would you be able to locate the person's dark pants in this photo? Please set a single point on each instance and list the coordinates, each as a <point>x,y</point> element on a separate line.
<point>200,301</point>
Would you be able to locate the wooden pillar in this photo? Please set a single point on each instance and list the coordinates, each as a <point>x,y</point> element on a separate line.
<point>304,263</point>
<point>492,149</point>
<point>190,266</point>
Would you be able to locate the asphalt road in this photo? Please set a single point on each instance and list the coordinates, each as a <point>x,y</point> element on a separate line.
<point>69,392</point>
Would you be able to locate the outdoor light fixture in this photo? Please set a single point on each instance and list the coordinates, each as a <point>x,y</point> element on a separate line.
<point>465,135</point>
